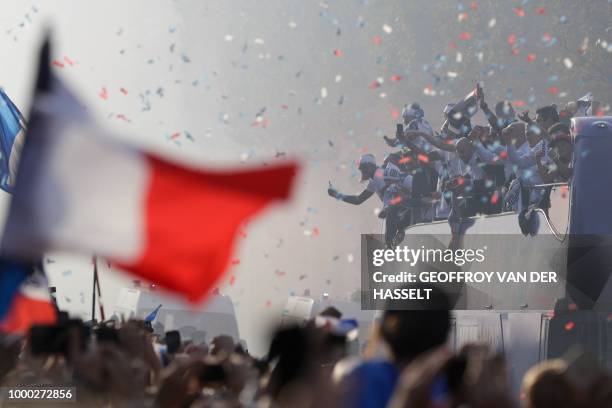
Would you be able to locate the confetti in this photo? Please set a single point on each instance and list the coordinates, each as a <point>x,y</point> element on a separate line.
<point>465,36</point>
<point>511,39</point>
<point>569,326</point>
<point>531,57</point>
<point>323,92</point>
<point>387,28</point>
<point>519,11</point>
<point>395,78</point>
<point>123,91</point>
<point>568,63</point>
<point>338,53</point>
<point>377,40</point>
<point>103,93</point>
<point>541,11</point>
<point>58,64</point>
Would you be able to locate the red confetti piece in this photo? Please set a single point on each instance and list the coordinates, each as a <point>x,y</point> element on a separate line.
<point>58,64</point>
<point>68,61</point>
<point>515,51</point>
<point>338,53</point>
<point>495,197</point>
<point>122,117</point>
<point>547,37</point>
<point>474,5</point>
<point>553,90</point>
<point>462,17</point>
<point>396,78</point>
<point>175,135</point>
<point>232,280</point>
<point>511,39</point>
<point>404,160</point>
<point>377,40</point>
<point>123,91</point>
<point>395,200</point>
<point>103,93</point>
<point>236,262</point>
<point>315,231</point>
<point>519,11</point>
<point>503,155</point>
<point>280,274</point>
<point>374,85</point>
<point>395,113</point>
<point>519,103</point>
<point>569,326</point>
<point>465,36</point>
<point>531,57</point>
<point>452,45</point>
<point>541,11</point>
<point>268,303</point>
<point>423,158</point>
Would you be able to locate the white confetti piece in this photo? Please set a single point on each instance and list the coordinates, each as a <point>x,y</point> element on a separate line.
<point>258,41</point>
<point>387,29</point>
<point>292,25</point>
<point>492,23</point>
<point>338,78</point>
<point>229,38</point>
<point>568,63</point>
<point>350,258</point>
<point>323,92</point>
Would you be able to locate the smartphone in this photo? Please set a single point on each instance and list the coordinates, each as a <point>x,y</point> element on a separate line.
<point>399,130</point>
<point>173,341</point>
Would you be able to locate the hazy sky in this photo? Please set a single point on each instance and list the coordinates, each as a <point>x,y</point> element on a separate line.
<point>321,81</point>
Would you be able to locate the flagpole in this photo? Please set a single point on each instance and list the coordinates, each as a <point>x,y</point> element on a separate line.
<point>93,289</point>
<point>100,303</point>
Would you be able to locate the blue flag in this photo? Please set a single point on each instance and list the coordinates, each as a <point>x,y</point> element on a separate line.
<point>153,314</point>
<point>12,130</point>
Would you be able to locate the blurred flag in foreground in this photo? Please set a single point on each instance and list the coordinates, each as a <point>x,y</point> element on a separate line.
<point>12,129</point>
<point>80,188</point>
<point>29,303</point>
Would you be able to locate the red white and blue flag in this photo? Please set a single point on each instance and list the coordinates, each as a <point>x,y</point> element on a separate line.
<point>82,189</point>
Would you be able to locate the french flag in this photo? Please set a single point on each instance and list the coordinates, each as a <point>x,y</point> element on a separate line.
<point>12,129</point>
<point>26,304</point>
<point>81,188</point>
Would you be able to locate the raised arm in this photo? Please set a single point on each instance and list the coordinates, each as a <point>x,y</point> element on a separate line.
<point>433,140</point>
<point>351,199</point>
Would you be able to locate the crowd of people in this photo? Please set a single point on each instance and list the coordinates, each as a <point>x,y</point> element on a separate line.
<point>509,164</point>
<point>405,363</point>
